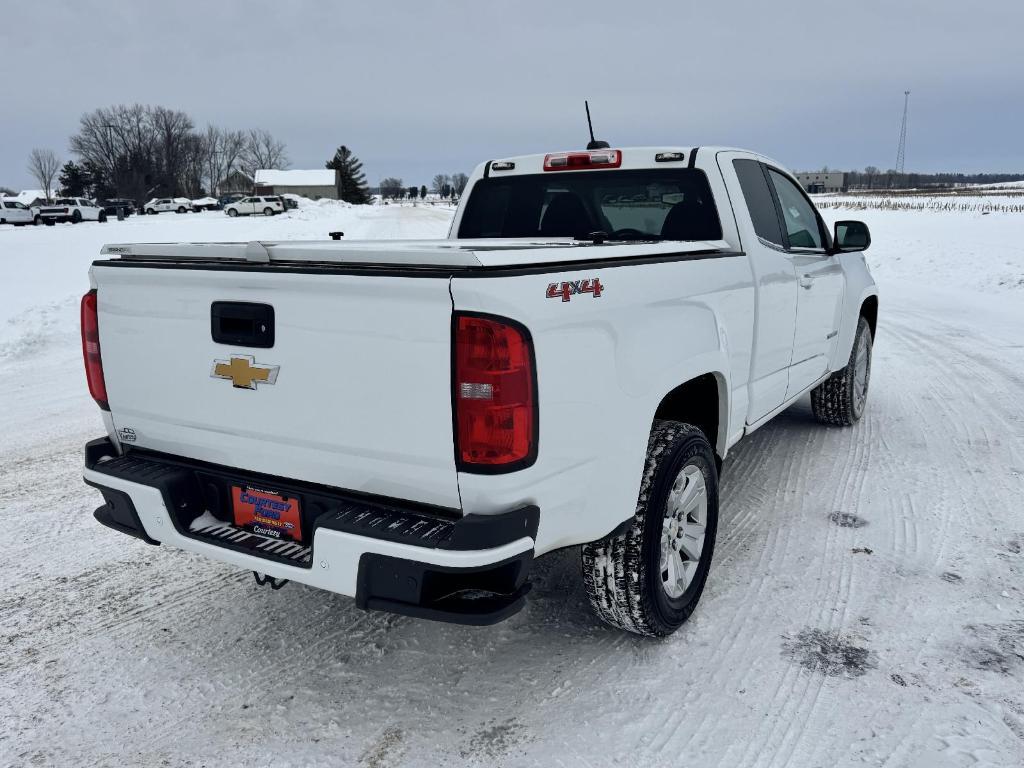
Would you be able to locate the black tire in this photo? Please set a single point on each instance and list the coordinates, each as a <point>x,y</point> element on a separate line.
<point>181,209</point>
<point>268,211</point>
<point>232,212</point>
<point>102,218</point>
<point>840,400</point>
<point>151,211</point>
<point>36,220</point>
<point>76,217</point>
<point>622,573</point>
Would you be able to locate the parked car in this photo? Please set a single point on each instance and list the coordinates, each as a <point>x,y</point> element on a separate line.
<point>17,213</point>
<point>111,206</point>
<point>413,423</point>
<point>167,205</point>
<point>206,204</point>
<point>248,206</point>
<point>291,202</point>
<point>73,209</point>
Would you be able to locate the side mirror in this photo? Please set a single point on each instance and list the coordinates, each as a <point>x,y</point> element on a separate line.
<point>851,236</point>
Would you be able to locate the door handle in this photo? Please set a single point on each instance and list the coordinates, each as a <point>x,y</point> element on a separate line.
<point>806,281</point>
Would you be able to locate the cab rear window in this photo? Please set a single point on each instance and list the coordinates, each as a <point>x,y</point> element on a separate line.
<point>650,204</point>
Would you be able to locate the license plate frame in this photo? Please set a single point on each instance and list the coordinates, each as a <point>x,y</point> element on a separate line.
<point>266,512</point>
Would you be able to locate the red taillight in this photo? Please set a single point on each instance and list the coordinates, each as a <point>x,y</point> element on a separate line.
<point>573,161</point>
<point>91,350</point>
<point>494,394</point>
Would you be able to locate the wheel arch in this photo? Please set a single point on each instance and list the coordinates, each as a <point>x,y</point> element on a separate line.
<point>869,311</point>
<point>702,401</point>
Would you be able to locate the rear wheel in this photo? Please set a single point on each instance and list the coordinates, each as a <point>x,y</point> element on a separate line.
<point>268,211</point>
<point>649,578</point>
<point>181,209</point>
<point>102,217</point>
<point>36,220</point>
<point>841,399</point>
<point>76,217</point>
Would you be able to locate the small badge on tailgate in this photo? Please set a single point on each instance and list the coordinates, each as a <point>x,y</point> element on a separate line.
<point>243,372</point>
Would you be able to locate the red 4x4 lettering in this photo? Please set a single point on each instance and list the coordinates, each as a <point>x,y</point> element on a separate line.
<point>567,290</point>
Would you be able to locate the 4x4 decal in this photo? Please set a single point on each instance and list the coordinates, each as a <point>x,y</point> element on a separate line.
<point>567,290</point>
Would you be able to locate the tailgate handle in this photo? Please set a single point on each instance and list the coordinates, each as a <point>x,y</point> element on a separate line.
<point>242,324</point>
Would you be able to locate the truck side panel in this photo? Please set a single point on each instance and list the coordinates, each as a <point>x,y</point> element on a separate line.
<point>653,327</point>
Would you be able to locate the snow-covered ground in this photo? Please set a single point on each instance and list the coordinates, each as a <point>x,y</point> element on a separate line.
<point>864,606</point>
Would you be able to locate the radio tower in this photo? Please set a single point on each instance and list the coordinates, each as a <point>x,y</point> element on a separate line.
<point>901,152</point>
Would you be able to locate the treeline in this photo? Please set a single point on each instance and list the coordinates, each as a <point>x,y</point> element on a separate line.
<point>140,151</point>
<point>874,178</point>
<point>444,186</point>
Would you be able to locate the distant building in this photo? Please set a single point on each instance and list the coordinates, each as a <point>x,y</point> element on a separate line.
<point>315,184</point>
<point>235,183</point>
<point>832,181</point>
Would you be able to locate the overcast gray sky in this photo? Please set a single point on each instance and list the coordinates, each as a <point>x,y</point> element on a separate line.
<point>421,88</point>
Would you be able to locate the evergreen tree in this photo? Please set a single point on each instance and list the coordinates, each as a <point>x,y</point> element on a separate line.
<point>423,192</point>
<point>74,180</point>
<point>351,179</point>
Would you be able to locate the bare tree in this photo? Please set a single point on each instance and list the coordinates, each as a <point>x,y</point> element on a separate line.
<point>262,150</point>
<point>391,187</point>
<point>871,171</point>
<point>459,181</point>
<point>440,182</point>
<point>222,151</point>
<point>44,164</point>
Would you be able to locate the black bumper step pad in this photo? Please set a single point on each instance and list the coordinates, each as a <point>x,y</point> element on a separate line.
<point>224,533</point>
<point>390,524</point>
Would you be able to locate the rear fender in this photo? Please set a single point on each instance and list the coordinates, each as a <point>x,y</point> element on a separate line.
<point>603,367</point>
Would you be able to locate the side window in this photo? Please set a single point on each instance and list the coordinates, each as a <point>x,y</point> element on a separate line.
<point>801,220</point>
<point>759,200</point>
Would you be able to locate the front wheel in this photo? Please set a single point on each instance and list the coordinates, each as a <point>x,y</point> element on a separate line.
<point>232,212</point>
<point>151,212</point>
<point>840,399</point>
<point>649,578</point>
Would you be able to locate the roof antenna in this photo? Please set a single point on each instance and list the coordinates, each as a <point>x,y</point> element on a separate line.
<point>593,143</point>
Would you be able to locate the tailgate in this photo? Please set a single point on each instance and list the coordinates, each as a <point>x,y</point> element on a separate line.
<point>354,393</point>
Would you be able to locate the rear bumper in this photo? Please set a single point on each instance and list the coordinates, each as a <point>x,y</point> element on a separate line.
<point>469,570</point>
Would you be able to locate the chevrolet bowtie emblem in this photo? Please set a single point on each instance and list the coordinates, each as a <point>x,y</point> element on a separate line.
<point>243,372</point>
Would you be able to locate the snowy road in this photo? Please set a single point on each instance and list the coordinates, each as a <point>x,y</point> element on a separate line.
<point>864,607</point>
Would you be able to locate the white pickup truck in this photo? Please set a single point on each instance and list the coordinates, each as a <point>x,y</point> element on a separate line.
<point>412,423</point>
<point>73,209</point>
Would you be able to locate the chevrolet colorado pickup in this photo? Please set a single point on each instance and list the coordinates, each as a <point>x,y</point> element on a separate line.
<point>412,423</point>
